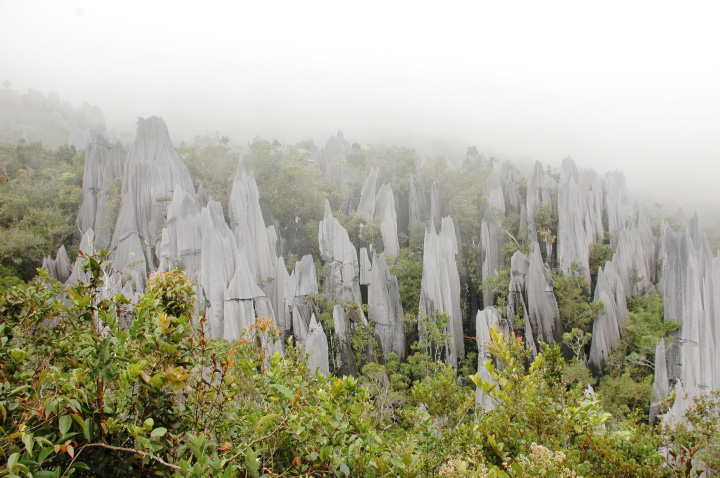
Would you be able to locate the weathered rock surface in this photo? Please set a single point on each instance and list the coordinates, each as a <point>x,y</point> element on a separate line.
<point>343,276</point>
<point>490,243</point>
<point>485,320</point>
<point>344,358</point>
<point>541,189</point>
<point>689,283</point>
<point>365,267</point>
<point>385,310</point>
<point>440,289</point>
<point>247,223</point>
<point>618,209</point>
<point>58,268</point>
<point>102,178</point>
<point>366,207</point>
<point>580,202</point>
<point>607,328</point>
<point>435,206</point>
<point>317,348</point>
<point>152,172</point>
<point>386,214</point>
<point>531,294</point>
<point>635,257</point>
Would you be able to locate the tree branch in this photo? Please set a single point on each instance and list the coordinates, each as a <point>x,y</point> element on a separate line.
<point>130,450</point>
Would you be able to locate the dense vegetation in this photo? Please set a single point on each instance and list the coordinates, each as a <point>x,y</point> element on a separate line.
<point>40,192</point>
<point>83,393</point>
<point>91,384</point>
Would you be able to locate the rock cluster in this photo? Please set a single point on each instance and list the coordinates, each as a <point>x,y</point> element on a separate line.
<point>690,283</point>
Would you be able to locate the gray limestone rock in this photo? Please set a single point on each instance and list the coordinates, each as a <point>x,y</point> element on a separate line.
<point>635,257</point>
<point>485,320</point>
<point>385,212</point>
<point>87,247</point>
<point>490,255</point>
<point>691,292</point>
<point>248,225</point>
<point>543,314</point>
<point>607,328</point>
<point>58,268</point>
<point>510,178</point>
<point>618,209</point>
<point>365,267</point>
<point>344,358</point>
<point>518,296</point>
<point>305,277</point>
<point>152,172</point>
<point>440,289</point>
<point>283,296</point>
<point>335,151</point>
<point>435,206</point>
<point>580,225</point>
<point>661,381</point>
<point>341,257</point>
<point>367,196</point>
<point>102,179</point>
<point>181,240</point>
<point>541,189</point>
<point>317,348</point>
<point>385,310</point>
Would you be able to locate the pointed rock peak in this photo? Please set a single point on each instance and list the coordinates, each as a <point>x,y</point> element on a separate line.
<point>328,210</point>
<point>340,135</point>
<point>568,167</point>
<point>87,246</point>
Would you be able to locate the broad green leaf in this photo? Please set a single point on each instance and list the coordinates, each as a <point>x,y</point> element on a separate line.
<point>158,432</point>
<point>282,389</point>
<point>65,422</point>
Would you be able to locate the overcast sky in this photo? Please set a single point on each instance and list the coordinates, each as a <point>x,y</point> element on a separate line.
<point>627,85</point>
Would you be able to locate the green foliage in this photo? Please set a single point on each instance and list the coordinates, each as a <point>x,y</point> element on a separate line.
<point>289,182</point>
<point>577,310</point>
<point>546,220</point>
<point>40,192</point>
<point>408,270</point>
<point>600,253</point>
<point>212,163</point>
<point>694,444</point>
<point>626,387</point>
<point>537,406</point>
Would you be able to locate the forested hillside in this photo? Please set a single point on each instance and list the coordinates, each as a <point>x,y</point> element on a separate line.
<point>278,310</point>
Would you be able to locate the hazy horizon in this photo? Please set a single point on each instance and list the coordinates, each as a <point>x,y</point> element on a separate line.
<point>615,86</point>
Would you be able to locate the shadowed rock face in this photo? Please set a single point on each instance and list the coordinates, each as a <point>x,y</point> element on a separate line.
<point>385,310</point>
<point>440,289</point>
<point>103,174</point>
<point>344,359</point>
<point>689,283</point>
